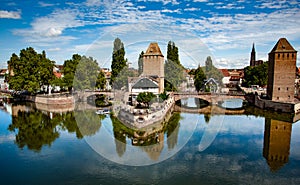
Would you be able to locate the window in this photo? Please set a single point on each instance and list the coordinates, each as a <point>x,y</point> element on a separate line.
<point>287,89</point>
<point>288,55</point>
<point>293,55</point>
<point>278,55</point>
<point>278,88</point>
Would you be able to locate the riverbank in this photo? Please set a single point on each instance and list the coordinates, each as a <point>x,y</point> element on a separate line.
<point>287,107</point>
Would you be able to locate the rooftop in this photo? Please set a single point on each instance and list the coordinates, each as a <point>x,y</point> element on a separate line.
<point>283,45</point>
<point>145,83</point>
<point>153,49</point>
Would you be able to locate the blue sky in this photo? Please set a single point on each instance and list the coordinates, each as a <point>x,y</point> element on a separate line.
<point>224,30</point>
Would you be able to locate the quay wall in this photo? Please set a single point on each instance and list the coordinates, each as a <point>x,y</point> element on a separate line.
<point>273,105</point>
<point>130,119</point>
<point>50,99</point>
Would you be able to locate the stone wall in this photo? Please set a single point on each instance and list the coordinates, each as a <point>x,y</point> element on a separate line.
<point>130,119</point>
<point>273,105</point>
<point>50,99</point>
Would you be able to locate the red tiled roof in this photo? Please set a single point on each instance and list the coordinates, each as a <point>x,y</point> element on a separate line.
<point>225,72</point>
<point>57,74</point>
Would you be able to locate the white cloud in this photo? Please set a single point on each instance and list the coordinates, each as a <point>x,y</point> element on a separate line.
<point>201,1</point>
<point>52,25</point>
<point>272,5</point>
<point>192,9</point>
<point>229,6</point>
<point>10,14</point>
<point>43,4</point>
<point>171,11</point>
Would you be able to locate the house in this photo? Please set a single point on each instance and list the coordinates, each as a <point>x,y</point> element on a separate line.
<point>3,83</point>
<point>226,77</point>
<point>145,84</point>
<point>212,85</point>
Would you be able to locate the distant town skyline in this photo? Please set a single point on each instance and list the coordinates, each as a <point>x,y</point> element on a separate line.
<point>224,30</point>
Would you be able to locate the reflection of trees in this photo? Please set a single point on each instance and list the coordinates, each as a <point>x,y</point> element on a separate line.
<point>172,128</point>
<point>120,135</point>
<point>34,129</point>
<point>69,124</point>
<point>88,122</point>
<point>207,118</point>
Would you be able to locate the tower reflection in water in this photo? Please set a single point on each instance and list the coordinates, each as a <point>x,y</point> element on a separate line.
<point>277,139</point>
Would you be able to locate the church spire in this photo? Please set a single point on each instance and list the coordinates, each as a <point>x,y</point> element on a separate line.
<point>253,53</point>
<point>253,48</point>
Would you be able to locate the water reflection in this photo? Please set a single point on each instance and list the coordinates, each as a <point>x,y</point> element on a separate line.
<point>277,139</point>
<point>150,140</point>
<point>34,128</point>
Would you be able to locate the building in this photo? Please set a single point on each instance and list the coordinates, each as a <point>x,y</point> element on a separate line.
<point>253,61</point>
<point>281,72</point>
<point>226,76</point>
<point>3,83</point>
<point>153,64</point>
<point>277,139</point>
<point>144,84</point>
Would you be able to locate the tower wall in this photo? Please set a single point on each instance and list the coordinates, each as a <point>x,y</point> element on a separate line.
<point>281,72</point>
<point>153,64</point>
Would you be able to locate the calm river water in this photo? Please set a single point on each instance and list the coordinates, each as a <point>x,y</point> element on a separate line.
<point>81,147</point>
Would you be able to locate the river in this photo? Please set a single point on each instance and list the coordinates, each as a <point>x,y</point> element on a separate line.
<point>81,147</point>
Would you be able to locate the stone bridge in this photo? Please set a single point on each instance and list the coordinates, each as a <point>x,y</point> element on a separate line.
<point>84,95</point>
<point>209,97</point>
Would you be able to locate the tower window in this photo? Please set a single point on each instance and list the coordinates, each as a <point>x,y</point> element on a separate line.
<point>287,89</point>
<point>288,55</point>
<point>293,55</point>
<point>278,55</point>
<point>278,88</point>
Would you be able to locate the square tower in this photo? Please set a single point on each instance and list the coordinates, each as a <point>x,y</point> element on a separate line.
<point>153,64</point>
<point>282,72</point>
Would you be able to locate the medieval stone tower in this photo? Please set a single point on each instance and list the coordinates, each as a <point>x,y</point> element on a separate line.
<point>153,64</point>
<point>277,139</point>
<point>281,72</point>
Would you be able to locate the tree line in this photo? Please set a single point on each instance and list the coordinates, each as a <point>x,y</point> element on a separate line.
<point>33,72</point>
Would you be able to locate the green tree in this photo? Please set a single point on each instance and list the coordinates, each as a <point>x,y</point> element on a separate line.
<point>199,78</point>
<point>174,71</point>
<point>208,64</point>
<point>140,63</point>
<point>211,71</point>
<point>101,81</point>
<point>122,79</point>
<point>86,74</point>
<point>164,96</point>
<point>69,71</point>
<point>30,71</point>
<point>256,75</point>
<point>145,98</point>
<point>118,60</point>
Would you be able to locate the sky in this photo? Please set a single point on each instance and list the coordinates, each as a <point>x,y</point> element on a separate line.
<point>224,30</point>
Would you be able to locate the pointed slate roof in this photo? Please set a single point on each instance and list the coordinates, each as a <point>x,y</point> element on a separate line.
<point>283,46</point>
<point>145,83</point>
<point>253,48</point>
<point>153,49</point>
